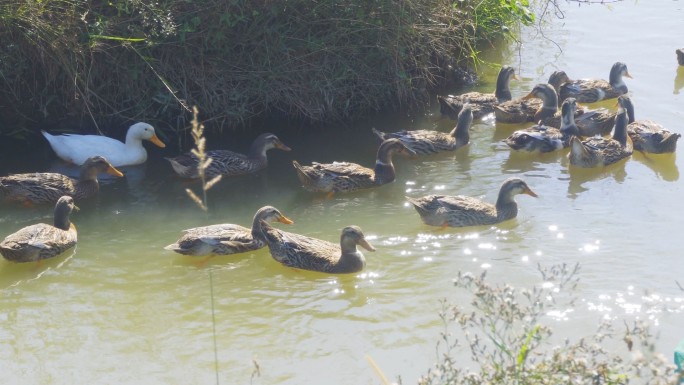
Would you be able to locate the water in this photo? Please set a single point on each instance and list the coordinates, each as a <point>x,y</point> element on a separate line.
<point>121,309</point>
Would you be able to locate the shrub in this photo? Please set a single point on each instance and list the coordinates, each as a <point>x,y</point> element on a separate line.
<point>312,61</point>
<point>508,341</point>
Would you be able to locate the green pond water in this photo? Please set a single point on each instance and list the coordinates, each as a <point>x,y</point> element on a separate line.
<point>122,310</point>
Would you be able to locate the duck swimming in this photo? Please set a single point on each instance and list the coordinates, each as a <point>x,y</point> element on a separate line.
<point>647,135</point>
<point>345,177</point>
<point>426,142</point>
<point>526,110</point>
<point>541,138</point>
<point>42,241</point>
<point>598,151</point>
<point>462,211</point>
<point>481,103</point>
<point>314,254</point>
<point>48,187</point>
<point>229,163</point>
<point>594,90</point>
<point>225,239</point>
<point>76,149</point>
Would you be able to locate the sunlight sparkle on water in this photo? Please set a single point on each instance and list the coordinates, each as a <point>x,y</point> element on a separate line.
<point>410,183</point>
<point>485,265</point>
<point>560,315</point>
<point>440,187</point>
<point>590,248</point>
<point>525,258</point>
<point>467,251</point>
<point>486,246</point>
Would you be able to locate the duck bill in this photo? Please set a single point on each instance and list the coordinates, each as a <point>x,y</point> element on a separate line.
<point>76,208</point>
<point>111,170</point>
<point>280,145</point>
<point>285,220</point>
<point>627,75</point>
<point>364,243</point>
<point>529,192</point>
<point>529,96</point>
<point>155,139</point>
<point>516,77</point>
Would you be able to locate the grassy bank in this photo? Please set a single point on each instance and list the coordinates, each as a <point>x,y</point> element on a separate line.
<point>72,63</point>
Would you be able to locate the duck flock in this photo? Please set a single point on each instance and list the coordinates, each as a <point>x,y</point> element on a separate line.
<point>595,138</point>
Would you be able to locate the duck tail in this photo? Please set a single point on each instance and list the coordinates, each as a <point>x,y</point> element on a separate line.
<point>174,247</point>
<point>301,173</point>
<point>181,169</point>
<point>379,134</point>
<point>414,202</point>
<point>669,143</point>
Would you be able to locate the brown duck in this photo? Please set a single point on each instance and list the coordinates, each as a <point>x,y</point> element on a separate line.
<point>48,187</point>
<point>42,241</point>
<point>462,211</point>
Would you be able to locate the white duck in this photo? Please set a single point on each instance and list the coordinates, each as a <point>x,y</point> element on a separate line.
<point>77,148</point>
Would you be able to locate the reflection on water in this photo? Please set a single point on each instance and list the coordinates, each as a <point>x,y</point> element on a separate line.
<point>679,80</point>
<point>580,177</point>
<point>120,297</point>
<point>663,165</point>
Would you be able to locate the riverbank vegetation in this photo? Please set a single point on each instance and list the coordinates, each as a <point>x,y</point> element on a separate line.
<point>77,63</point>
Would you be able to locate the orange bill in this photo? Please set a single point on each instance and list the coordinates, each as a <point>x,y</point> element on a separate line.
<point>155,139</point>
<point>529,192</point>
<point>364,243</point>
<point>282,146</point>
<point>529,96</point>
<point>111,170</point>
<point>285,220</point>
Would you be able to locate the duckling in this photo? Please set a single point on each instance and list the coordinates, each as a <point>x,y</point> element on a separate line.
<point>481,103</point>
<point>594,90</point>
<point>224,239</point>
<point>77,148</point>
<point>229,163</point>
<point>526,110</point>
<point>647,135</point>
<point>313,254</point>
<point>42,241</point>
<point>425,142</point>
<point>541,138</point>
<point>345,177</point>
<point>680,56</point>
<point>598,151</point>
<point>48,187</point>
<point>462,211</point>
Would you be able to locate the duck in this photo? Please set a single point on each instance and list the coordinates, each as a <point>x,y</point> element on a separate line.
<point>228,238</point>
<point>594,90</point>
<point>647,135</point>
<point>599,151</point>
<point>302,252</point>
<point>228,163</point>
<point>426,142</point>
<point>464,211</point>
<point>48,187</point>
<point>541,138</point>
<point>42,241</point>
<point>680,56</point>
<point>525,110</point>
<point>345,177</point>
<point>481,103</point>
<point>76,149</point>
<point>590,122</point>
